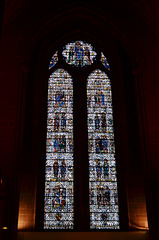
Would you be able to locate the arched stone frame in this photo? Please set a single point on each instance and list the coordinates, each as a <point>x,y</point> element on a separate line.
<point>41,137</point>
<point>118,74</point>
<point>53,155</point>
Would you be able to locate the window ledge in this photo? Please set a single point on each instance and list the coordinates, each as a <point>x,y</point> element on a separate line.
<point>138,235</point>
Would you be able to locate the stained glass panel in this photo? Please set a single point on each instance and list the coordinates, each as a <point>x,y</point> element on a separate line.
<point>103,194</point>
<point>79,53</point>
<point>104,61</point>
<point>54,60</point>
<point>59,191</point>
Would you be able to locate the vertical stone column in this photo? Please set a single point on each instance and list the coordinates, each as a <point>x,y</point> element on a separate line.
<point>137,181</point>
<point>26,175</point>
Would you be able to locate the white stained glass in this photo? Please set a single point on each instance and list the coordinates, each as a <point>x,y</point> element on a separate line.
<point>103,194</point>
<point>104,61</point>
<point>59,190</point>
<point>79,53</point>
<point>54,60</point>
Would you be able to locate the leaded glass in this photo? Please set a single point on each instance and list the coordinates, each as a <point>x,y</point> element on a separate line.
<point>103,194</point>
<point>79,53</point>
<point>104,61</point>
<point>59,201</point>
<point>54,60</point>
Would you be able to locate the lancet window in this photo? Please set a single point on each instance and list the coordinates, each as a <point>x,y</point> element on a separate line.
<point>60,199</point>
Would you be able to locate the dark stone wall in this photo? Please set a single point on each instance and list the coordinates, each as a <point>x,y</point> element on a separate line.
<point>31,32</point>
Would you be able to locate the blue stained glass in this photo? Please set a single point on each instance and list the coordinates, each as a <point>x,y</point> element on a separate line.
<point>79,53</point>
<point>103,194</point>
<point>59,168</point>
<point>54,60</point>
<point>104,61</point>
<point>59,191</point>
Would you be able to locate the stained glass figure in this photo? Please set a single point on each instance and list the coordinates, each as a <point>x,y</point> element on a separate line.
<point>59,203</point>
<point>79,53</point>
<point>103,205</point>
<point>54,60</point>
<point>104,61</point>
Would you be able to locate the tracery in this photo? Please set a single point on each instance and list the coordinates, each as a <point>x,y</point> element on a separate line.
<point>59,179</point>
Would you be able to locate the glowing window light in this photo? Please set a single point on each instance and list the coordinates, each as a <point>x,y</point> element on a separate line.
<point>103,194</point>
<point>54,60</point>
<point>79,54</point>
<point>59,202</point>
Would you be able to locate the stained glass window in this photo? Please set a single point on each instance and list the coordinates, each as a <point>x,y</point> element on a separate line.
<point>103,194</point>
<point>59,168</point>
<point>59,203</point>
<point>79,53</point>
<point>54,60</point>
<point>104,61</point>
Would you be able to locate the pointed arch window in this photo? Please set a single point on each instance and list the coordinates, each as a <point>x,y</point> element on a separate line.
<point>58,213</point>
<point>60,200</point>
<point>103,203</point>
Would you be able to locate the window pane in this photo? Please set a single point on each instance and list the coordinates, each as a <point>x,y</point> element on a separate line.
<point>54,60</point>
<point>104,61</point>
<point>59,200</point>
<point>103,204</point>
<point>79,53</point>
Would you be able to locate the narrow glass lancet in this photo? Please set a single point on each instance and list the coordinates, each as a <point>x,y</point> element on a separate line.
<point>54,60</point>
<point>59,202</point>
<point>104,61</point>
<point>103,194</point>
<point>79,53</point>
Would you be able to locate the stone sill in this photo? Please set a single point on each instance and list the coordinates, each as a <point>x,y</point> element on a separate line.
<point>140,235</point>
